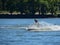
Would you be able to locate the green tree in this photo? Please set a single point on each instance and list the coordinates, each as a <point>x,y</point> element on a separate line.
<point>10,6</point>
<point>4,4</point>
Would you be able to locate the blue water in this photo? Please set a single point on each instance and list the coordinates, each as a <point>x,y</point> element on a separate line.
<point>24,37</point>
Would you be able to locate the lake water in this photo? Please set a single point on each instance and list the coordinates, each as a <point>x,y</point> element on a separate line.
<point>25,37</point>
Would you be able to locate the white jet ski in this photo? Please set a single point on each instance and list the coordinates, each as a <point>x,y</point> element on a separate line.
<point>38,27</point>
<point>34,27</point>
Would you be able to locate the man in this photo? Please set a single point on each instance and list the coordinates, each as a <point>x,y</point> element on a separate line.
<point>36,22</point>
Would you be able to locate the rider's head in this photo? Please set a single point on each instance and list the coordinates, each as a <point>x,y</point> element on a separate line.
<point>36,20</point>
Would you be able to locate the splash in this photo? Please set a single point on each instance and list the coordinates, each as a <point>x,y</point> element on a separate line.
<point>50,26</point>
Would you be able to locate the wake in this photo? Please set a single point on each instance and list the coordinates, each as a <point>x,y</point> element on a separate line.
<point>50,26</point>
<point>44,26</point>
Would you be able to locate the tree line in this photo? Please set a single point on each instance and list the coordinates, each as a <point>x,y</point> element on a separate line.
<point>30,6</point>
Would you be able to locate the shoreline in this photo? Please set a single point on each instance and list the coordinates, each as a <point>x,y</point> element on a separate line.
<point>27,16</point>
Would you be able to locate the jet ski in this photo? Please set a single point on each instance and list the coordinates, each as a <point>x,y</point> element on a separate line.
<point>39,27</point>
<point>34,27</point>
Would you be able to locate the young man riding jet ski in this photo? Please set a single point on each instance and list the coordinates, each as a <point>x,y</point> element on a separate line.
<point>35,26</point>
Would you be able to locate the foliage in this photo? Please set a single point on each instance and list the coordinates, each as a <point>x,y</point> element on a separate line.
<point>30,6</point>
